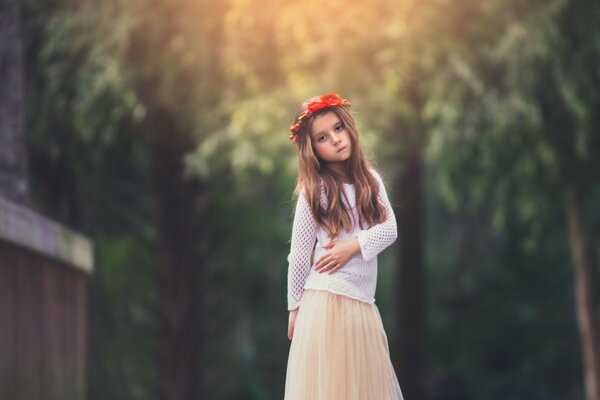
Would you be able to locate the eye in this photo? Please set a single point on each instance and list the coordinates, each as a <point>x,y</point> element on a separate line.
<point>339,127</point>
<point>322,138</point>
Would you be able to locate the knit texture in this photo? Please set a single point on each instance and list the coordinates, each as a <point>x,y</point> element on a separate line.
<point>358,278</point>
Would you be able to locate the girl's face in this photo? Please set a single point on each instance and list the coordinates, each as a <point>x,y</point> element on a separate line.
<point>330,138</point>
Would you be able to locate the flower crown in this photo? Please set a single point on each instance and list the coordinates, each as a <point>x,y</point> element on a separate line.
<point>324,101</point>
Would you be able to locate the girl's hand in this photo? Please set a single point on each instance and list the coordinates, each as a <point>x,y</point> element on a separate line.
<point>292,323</point>
<point>341,252</point>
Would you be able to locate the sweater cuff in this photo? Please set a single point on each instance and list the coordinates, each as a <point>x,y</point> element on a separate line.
<point>365,250</point>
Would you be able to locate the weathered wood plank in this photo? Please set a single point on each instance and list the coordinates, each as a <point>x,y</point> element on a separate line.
<point>52,335</point>
<point>31,230</point>
<point>28,327</point>
<point>43,317</point>
<point>80,330</point>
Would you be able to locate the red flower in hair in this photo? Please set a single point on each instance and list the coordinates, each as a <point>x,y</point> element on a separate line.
<point>332,98</point>
<point>326,100</point>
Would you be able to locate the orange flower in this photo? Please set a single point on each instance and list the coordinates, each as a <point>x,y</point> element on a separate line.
<point>327,100</point>
<point>332,98</point>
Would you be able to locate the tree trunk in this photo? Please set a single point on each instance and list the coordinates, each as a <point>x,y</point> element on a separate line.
<point>585,292</point>
<point>410,278</point>
<point>13,155</point>
<point>178,209</point>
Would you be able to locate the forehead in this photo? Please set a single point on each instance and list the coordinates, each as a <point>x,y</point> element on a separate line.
<point>324,122</point>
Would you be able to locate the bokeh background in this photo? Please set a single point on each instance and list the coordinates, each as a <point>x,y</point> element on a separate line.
<point>160,130</point>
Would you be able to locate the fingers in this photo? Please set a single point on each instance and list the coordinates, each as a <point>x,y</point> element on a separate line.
<point>324,262</point>
<point>330,267</point>
<point>328,263</point>
<point>333,269</point>
<point>291,328</point>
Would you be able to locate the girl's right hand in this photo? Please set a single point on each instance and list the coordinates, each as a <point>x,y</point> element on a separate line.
<point>292,323</point>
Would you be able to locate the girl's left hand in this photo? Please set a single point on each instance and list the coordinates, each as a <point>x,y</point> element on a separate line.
<point>341,252</point>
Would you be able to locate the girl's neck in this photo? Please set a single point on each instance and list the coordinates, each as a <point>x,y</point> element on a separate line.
<point>340,170</point>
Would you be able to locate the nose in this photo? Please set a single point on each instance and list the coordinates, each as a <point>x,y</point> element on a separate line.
<point>337,140</point>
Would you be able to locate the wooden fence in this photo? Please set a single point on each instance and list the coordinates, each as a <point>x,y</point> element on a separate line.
<point>44,270</point>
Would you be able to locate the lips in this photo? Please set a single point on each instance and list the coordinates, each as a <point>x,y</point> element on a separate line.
<point>342,149</point>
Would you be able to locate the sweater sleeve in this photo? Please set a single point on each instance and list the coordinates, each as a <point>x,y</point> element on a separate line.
<point>304,235</point>
<point>377,238</point>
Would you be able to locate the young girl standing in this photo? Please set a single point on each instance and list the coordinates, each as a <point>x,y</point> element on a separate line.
<point>343,219</point>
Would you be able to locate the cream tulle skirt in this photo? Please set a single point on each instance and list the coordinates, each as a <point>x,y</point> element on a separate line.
<point>339,351</point>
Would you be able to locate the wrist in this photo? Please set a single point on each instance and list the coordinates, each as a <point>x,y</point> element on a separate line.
<point>355,246</point>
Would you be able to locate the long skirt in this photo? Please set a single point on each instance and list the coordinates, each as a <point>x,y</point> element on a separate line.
<point>339,351</point>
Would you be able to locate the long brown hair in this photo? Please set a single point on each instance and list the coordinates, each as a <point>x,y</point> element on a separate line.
<point>315,179</point>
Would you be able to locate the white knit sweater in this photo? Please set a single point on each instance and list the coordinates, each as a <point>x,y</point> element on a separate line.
<point>358,278</point>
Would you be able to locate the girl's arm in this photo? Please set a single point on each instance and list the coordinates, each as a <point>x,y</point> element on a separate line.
<point>374,240</point>
<point>304,236</point>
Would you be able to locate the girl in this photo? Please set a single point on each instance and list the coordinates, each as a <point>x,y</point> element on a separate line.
<point>343,219</point>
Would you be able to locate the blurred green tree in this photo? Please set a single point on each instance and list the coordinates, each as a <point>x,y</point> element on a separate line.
<point>517,129</point>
